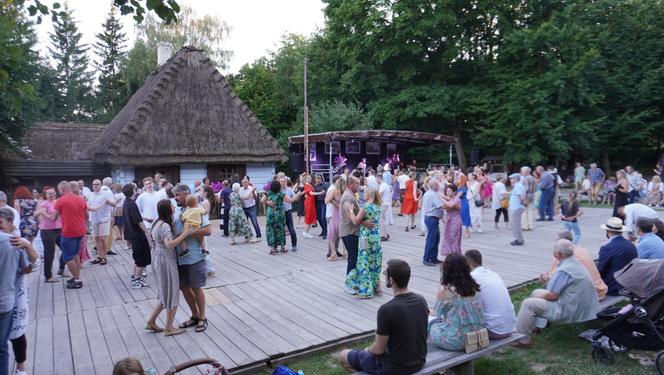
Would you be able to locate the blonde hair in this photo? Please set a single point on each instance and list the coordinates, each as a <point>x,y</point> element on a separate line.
<point>373,196</point>
<point>656,179</point>
<point>192,201</point>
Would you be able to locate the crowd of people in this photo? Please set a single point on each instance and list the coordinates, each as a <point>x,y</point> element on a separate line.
<point>164,226</point>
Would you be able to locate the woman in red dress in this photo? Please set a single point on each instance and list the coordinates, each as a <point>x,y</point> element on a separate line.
<point>410,201</point>
<point>309,207</point>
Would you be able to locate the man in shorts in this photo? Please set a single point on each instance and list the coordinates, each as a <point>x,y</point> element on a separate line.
<point>100,204</point>
<point>74,213</point>
<point>400,346</point>
<point>136,232</point>
<point>192,267</point>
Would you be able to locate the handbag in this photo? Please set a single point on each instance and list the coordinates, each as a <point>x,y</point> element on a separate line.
<point>477,340</point>
<point>504,203</point>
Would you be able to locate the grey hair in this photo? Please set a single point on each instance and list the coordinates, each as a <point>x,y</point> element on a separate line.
<point>236,187</point>
<point>3,196</point>
<point>107,181</point>
<point>181,188</point>
<point>564,247</point>
<point>526,168</point>
<point>7,214</point>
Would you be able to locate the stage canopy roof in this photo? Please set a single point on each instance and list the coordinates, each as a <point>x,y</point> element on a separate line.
<point>386,136</point>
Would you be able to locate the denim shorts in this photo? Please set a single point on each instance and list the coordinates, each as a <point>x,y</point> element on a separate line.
<point>364,360</point>
<point>193,275</point>
<point>70,247</point>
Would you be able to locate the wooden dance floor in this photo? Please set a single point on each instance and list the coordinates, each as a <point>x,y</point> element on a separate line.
<point>260,307</point>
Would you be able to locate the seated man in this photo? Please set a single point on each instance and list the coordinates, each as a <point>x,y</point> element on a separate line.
<point>569,296</point>
<point>615,255</point>
<point>650,246</point>
<point>584,257</point>
<point>400,346</point>
<point>497,307</point>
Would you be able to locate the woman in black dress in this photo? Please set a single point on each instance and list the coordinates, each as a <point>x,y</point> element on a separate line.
<point>622,188</point>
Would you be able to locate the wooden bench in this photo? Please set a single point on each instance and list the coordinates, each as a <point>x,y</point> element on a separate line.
<point>459,363</point>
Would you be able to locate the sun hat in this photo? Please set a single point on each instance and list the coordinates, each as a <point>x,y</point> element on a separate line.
<point>614,224</point>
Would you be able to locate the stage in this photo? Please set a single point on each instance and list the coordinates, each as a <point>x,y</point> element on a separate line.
<point>260,307</point>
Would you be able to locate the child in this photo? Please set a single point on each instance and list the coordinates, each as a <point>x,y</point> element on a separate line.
<point>192,217</point>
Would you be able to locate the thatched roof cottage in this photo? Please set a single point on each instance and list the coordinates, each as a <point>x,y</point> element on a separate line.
<point>185,122</point>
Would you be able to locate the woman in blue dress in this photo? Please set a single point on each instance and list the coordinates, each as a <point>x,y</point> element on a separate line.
<point>465,208</point>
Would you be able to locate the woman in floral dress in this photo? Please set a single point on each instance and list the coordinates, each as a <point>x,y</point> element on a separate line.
<point>237,221</point>
<point>366,276</point>
<point>26,206</point>
<point>451,242</point>
<point>276,218</point>
<point>458,309</point>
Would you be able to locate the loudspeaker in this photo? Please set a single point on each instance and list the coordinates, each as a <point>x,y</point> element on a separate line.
<point>474,157</point>
<point>296,162</point>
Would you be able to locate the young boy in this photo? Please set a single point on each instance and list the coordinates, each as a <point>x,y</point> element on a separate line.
<point>192,217</point>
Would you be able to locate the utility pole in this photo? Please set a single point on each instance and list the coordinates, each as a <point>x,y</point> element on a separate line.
<point>306,122</point>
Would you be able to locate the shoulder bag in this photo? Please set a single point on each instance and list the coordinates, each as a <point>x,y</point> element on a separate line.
<point>476,340</point>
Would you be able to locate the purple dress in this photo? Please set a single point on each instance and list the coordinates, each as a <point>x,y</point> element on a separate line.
<point>452,239</point>
<point>333,224</point>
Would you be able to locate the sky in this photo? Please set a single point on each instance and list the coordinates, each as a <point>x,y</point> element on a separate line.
<point>256,26</point>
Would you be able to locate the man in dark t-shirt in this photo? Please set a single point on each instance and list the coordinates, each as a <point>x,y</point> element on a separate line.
<point>321,189</point>
<point>137,234</point>
<point>400,347</point>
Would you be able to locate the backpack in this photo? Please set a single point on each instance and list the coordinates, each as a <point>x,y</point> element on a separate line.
<point>283,370</point>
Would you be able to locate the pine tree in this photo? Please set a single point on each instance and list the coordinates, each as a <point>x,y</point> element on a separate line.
<point>73,77</point>
<point>110,48</point>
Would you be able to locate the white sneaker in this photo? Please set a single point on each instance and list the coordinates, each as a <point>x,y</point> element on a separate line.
<point>350,291</point>
<point>19,372</point>
<point>307,235</point>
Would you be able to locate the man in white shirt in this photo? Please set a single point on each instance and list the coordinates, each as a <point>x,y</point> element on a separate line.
<point>3,204</point>
<point>385,192</point>
<point>147,202</point>
<point>248,197</point>
<point>402,179</point>
<point>634,180</point>
<point>632,212</point>
<point>85,192</point>
<point>106,185</point>
<point>100,204</point>
<point>497,307</point>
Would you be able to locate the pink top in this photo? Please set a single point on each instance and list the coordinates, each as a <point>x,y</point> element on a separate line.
<point>46,223</point>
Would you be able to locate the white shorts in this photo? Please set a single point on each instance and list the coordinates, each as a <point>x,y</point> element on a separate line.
<point>101,229</point>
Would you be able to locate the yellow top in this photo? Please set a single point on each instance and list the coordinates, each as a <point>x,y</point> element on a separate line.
<point>193,217</point>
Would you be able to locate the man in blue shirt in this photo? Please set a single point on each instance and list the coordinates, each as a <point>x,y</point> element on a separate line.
<point>650,245</point>
<point>547,189</point>
<point>225,197</point>
<point>596,176</point>
<point>615,255</point>
<point>192,267</point>
<point>517,207</point>
<point>433,212</point>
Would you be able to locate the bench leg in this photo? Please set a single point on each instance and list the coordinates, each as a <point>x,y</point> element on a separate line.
<point>463,369</point>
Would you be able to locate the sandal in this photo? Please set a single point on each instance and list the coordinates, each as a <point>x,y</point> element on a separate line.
<point>190,323</point>
<point>272,252</point>
<point>283,250</point>
<point>51,280</point>
<point>153,329</point>
<point>201,326</point>
<point>96,261</point>
<point>102,261</point>
<point>173,332</point>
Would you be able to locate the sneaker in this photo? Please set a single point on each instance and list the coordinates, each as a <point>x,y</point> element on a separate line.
<point>111,252</point>
<point>350,291</point>
<point>75,285</point>
<point>20,372</point>
<point>139,283</point>
<point>293,248</point>
<point>145,272</point>
<point>429,264</point>
<point>516,243</point>
<point>71,280</point>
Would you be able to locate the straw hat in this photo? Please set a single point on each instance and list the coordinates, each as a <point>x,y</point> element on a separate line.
<point>614,224</point>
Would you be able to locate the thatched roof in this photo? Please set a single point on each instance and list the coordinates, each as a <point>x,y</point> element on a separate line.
<point>186,112</point>
<point>58,141</point>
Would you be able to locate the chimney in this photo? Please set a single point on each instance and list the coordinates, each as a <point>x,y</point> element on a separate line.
<point>164,52</point>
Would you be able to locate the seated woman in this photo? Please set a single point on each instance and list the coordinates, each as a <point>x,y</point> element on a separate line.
<point>458,309</point>
<point>655,192</point>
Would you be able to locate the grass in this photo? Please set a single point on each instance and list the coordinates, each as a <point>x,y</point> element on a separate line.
<point>558,350</point>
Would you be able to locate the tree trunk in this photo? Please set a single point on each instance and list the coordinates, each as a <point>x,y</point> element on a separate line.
<point>606,164</point>
<point>461,157</point>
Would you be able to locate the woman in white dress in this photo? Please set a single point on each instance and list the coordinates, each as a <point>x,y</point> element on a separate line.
<point>472,196</point>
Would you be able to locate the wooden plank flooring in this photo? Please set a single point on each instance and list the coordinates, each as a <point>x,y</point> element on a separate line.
<point>259,306</point>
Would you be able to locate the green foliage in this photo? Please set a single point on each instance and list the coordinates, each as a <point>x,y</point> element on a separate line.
<point>74,79</point>
<point>110,48</point>
<point>19,66</point>
<point>337,116</point>
<point>166,10</point>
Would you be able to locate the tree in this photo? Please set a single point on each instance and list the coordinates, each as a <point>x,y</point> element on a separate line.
<point>110,47</point>
<point>166,10</point>
<point>73,77</point>
<point>19,103</point>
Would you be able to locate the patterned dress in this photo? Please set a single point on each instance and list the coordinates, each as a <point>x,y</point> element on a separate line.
<point>29,224</point>
<point>165,266</point>
<point>276,220</point>
<point>237,221</point>
<point>454,318</point>
<point>452,237</point>
<point>366,276</point>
